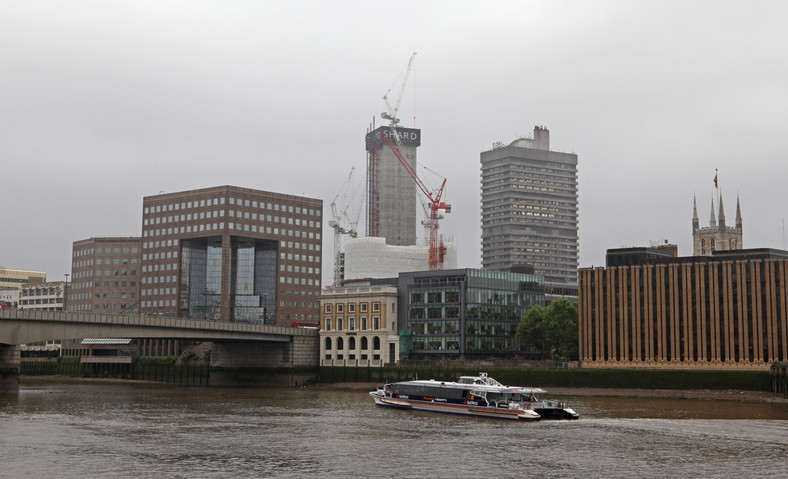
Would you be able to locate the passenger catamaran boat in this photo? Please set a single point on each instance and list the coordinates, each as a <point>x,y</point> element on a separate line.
<point>480,396</point>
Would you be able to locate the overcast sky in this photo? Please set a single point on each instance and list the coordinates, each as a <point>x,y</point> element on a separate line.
<point>105,102</point>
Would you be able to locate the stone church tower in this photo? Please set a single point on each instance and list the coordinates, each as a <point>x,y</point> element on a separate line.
<point>717,236</point>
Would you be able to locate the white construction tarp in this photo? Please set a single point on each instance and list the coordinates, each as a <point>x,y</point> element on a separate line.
<point>371,257</point>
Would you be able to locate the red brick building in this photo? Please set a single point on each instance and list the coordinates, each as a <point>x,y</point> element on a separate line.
<point>105,275</point>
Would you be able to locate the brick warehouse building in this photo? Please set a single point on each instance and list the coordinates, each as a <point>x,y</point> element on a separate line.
<point>232,254</point>
<point>725,311</point>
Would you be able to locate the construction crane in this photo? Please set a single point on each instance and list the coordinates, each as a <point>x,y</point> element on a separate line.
<point>337,216</point>
<point>437,250</point>
<point>391,114</point>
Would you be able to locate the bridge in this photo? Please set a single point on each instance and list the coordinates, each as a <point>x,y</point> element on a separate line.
<point>236,345</point>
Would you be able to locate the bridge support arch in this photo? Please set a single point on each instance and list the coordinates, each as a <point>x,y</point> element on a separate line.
<point>287,363</point>
<point>9,367</point>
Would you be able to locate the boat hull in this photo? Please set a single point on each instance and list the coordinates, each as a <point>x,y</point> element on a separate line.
<point>444,407</point>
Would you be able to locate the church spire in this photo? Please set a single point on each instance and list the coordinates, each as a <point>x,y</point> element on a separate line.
<point>713,218</point>
<point>738,213</point>
<point>722,215</point>
<point>695,221</point>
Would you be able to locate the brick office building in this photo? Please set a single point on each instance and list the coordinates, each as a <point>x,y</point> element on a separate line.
<point>232,254</point>
<point>651,310</point>
<point>105,274</point>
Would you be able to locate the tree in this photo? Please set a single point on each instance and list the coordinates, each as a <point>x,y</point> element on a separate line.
<point>552,329</point>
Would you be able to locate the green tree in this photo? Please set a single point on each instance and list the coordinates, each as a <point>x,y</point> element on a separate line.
<point>552,329</point>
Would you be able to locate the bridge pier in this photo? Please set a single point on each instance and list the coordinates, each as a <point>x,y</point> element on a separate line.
<point>9,367</point>
<point>289,364</point>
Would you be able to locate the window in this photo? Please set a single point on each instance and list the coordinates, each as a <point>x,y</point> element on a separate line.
<point>363,324</point>
<point>328,308</point>
<point>340,308</point>
<point>327,325</point>
<point>339,324</point>
<point>351,308</point>
<point>363,307</point>
<point>351,324</point>
<point>375,306</point>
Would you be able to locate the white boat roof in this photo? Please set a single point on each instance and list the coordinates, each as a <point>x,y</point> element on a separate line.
<point>500,388</point>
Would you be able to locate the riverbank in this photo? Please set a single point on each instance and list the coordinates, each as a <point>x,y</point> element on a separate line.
<point>693,394</point>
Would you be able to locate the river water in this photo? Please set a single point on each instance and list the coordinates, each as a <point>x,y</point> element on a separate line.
<point>84,430</point>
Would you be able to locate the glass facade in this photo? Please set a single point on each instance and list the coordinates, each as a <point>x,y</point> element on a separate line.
<point>252,279</point>
<point>469,313</point>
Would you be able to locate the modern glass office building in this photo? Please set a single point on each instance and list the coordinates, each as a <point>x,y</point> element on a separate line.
<point>466,313</point>
<point>231,254</point>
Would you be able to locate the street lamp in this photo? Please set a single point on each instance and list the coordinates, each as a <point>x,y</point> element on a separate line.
<point>65,290</point>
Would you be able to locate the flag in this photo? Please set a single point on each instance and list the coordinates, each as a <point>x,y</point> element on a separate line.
<point>715,179</point>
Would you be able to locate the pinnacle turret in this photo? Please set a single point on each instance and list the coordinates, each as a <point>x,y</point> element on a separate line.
<point>721,221</point>
<point>695,221</point>
<point>713,218</point>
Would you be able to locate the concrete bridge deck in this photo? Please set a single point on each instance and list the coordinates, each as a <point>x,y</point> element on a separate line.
<point>29,326</point>
<point>236,346</point>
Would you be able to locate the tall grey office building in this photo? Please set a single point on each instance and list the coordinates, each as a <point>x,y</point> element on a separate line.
<point>391,192</point>
<point>529,207</point>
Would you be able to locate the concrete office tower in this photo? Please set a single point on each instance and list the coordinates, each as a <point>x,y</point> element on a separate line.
<point>529,207</point>
<point>231,254</point>
<point>391,192</point>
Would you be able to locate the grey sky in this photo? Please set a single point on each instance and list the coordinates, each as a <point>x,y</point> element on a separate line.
<point>102,103</point>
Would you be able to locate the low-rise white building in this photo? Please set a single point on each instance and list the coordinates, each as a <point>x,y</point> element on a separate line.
<point>358,326</point>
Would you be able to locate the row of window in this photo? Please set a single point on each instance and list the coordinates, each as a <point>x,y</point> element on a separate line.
<point>231,214</point>
<point>233,201</point>
<point>39,292</point>
<point>107,250</point>
<point>97,284</point>
<point>329,323</point>
<point>351,308</point>
<point>85,296</point>
<point>41,301</point>
<point>351,343</point>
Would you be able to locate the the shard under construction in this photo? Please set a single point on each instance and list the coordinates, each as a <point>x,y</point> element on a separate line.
<point>391,192</point>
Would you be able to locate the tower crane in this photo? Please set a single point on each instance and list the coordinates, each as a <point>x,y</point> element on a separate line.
<point>337,217</point>
<point>437,250</point>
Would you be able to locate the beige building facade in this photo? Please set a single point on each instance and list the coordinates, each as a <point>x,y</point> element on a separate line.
<point>727,311</point>
<point>42,296</point>
<point>358,326</point>
<point>15,278</point>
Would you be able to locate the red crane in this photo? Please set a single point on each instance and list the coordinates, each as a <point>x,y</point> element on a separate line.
<point>437,249</point>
